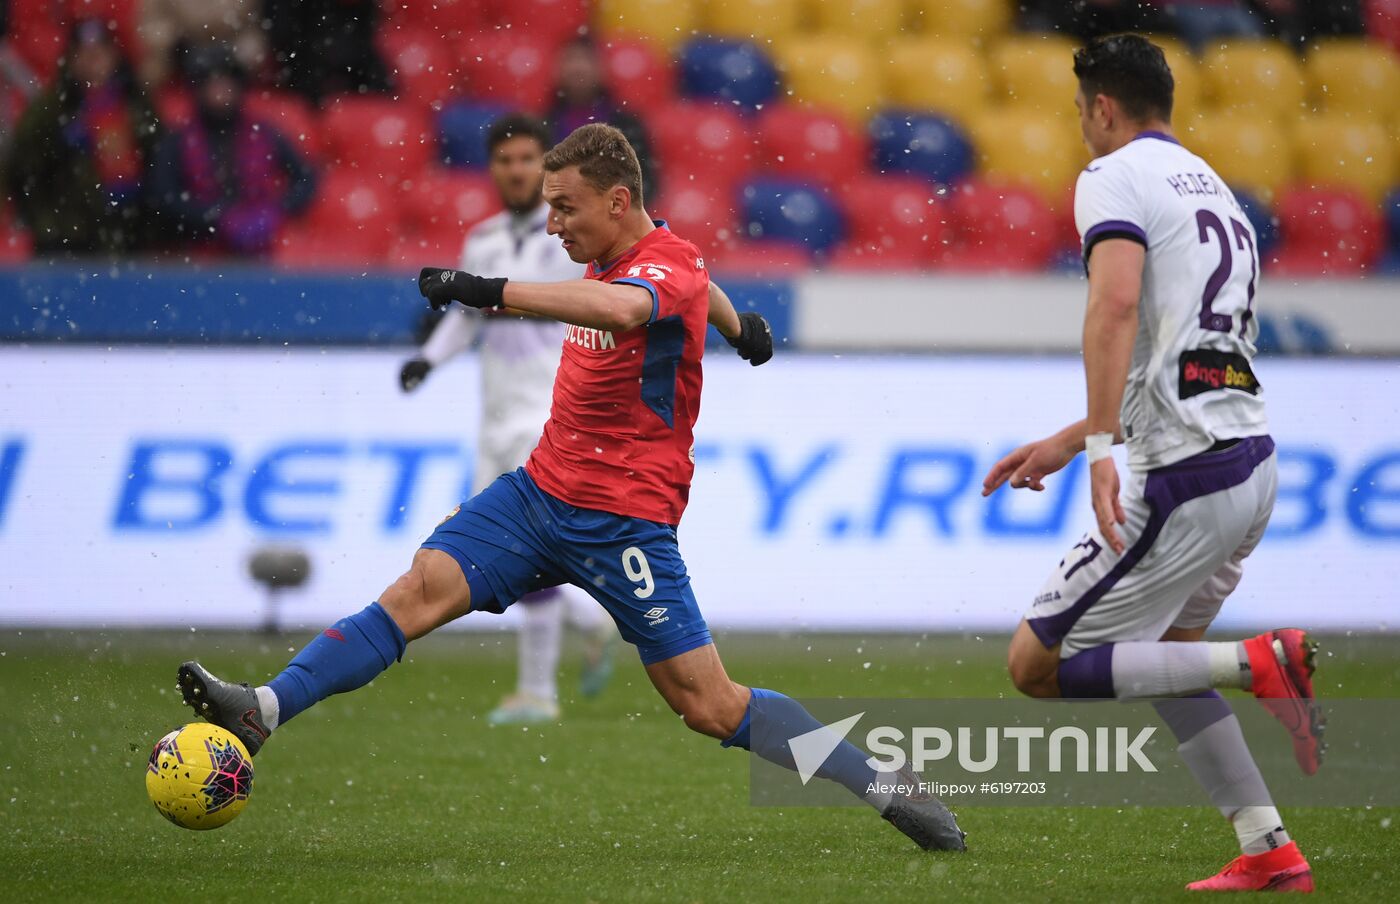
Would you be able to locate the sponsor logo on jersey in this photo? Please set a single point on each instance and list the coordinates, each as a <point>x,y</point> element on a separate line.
<point>1206,370</point>
<point>588,337</point>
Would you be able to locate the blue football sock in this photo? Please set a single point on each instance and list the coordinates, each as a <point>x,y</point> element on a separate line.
<point>347,655</point>
<point>772,719</point>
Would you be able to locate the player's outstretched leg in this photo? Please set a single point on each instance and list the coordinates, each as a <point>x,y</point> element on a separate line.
<point>347,655</point>
<point>1276,666</point>
<point>763,722</point>
<point>536,696</point>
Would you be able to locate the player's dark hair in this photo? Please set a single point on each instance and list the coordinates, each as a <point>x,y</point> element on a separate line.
<point>517,125</point>
<point>604,158</point>
<point>1131,70</point>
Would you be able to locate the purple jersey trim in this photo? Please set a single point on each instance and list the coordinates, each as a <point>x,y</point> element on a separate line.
<point>1160,136</point>
<point>1166,490</point>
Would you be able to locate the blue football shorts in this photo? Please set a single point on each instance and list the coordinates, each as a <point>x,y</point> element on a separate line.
<point>513,538</point>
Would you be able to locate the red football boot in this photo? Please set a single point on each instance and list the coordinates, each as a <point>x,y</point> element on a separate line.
<point>1280,870</point>
<point>1286,690</point>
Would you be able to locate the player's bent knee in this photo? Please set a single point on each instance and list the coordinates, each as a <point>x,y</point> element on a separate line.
<point>1034,676</point>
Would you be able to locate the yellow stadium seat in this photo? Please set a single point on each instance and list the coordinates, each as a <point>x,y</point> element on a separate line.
<point>942,74</point>
<point>1023,146</point>
<point>1354,76</point>
<point>758,20</point>
<point>865,19</point>
<point>668,22</point>
<point>979,19</point>
<point>1186,97</point>
<point>831,73</point>
<point>1346,151</point>
<point>1258,76</point>
<point>1248,152</point>
<point>1035,73</point>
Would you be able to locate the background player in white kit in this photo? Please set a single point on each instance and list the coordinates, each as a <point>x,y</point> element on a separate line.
<point>1168,341</point>
<point>519,357</point>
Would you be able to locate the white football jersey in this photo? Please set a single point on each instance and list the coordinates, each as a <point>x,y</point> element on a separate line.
<point>1191,382</point>
<point>517,247</point>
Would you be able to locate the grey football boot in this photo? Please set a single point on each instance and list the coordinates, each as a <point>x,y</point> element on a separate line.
<point>230,706</point>
<point>924,818</point>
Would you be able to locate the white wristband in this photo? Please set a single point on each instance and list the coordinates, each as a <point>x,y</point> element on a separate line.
<point>1098,446</point>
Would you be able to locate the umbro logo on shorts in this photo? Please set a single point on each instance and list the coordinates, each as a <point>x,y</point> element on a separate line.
<point>655,615</point>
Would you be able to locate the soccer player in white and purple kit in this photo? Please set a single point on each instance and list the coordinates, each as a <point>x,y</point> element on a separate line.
<point>1168,345</point>
<point>519,357</point>
<point>600,499</point>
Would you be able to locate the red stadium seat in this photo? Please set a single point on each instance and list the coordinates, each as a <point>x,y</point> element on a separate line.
<point>1327,232</point>
<point>291,115</point>
<point>811,145</point>
<point>1000,228</point>
<point>300,248</point>
<point>702,214</point>
<point>447,18</point>
<point>696,138</point>
<point>449,201</point>
<point>516,70</point>
<point>876,257</point>
<point>16,246</point>
<point>553,20</point>
<point>350,204</point>
<point>1383,21</point>
<point>420,64</point>
<point>413,251</point>
<point>766,258</point>
<point>896,219</point>
<point>639,75</point>
<point>377,136</point>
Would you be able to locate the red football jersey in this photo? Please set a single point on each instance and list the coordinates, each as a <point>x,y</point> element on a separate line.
<point>620,435</point>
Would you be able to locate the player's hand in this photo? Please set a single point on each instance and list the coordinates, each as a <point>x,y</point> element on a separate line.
<point>1103,481</point>
<point>755,339</point>
<point>415,371</point>
<point>442,286</point>
<point>1025,468</point>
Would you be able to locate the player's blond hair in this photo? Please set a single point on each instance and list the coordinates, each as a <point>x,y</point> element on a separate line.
<point>604,157</point>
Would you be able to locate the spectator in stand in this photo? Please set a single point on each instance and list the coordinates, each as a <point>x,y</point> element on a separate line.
<point>1199,22</point>
<point>325,47</point>
<point>80,152</point>
<point>1298,22</point>
<point>1089,18</point>
<point>225,182</point>
<point>580,97</point>
<point>169,28</point>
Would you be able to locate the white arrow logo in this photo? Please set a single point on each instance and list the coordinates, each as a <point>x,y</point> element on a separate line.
<point>810,750</point>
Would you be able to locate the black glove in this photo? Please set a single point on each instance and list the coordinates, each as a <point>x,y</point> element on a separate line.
<point>442,287</point>
<point>755,342</point>
<point>415,371</point>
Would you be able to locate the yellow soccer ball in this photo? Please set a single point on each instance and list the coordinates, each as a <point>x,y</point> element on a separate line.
<point>199,776</point>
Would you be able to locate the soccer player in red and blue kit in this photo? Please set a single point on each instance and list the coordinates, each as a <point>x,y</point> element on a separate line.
<point>598,502</point>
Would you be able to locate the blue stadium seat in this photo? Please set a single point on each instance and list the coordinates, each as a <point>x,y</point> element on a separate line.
<point>796,212</point>
<point>1261,218</point>
<point>462,128</point>
<point>922,144</point>
<point>1391,209</point>
<point>728,70</point>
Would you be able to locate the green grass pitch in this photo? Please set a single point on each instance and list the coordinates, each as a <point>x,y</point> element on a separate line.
<point>401,792</point>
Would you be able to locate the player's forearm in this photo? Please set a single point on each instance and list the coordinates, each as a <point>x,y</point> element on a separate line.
<point>1110,327</point>
<point>722,314</point>
<point>452,335</point>
<point>582,302</point>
